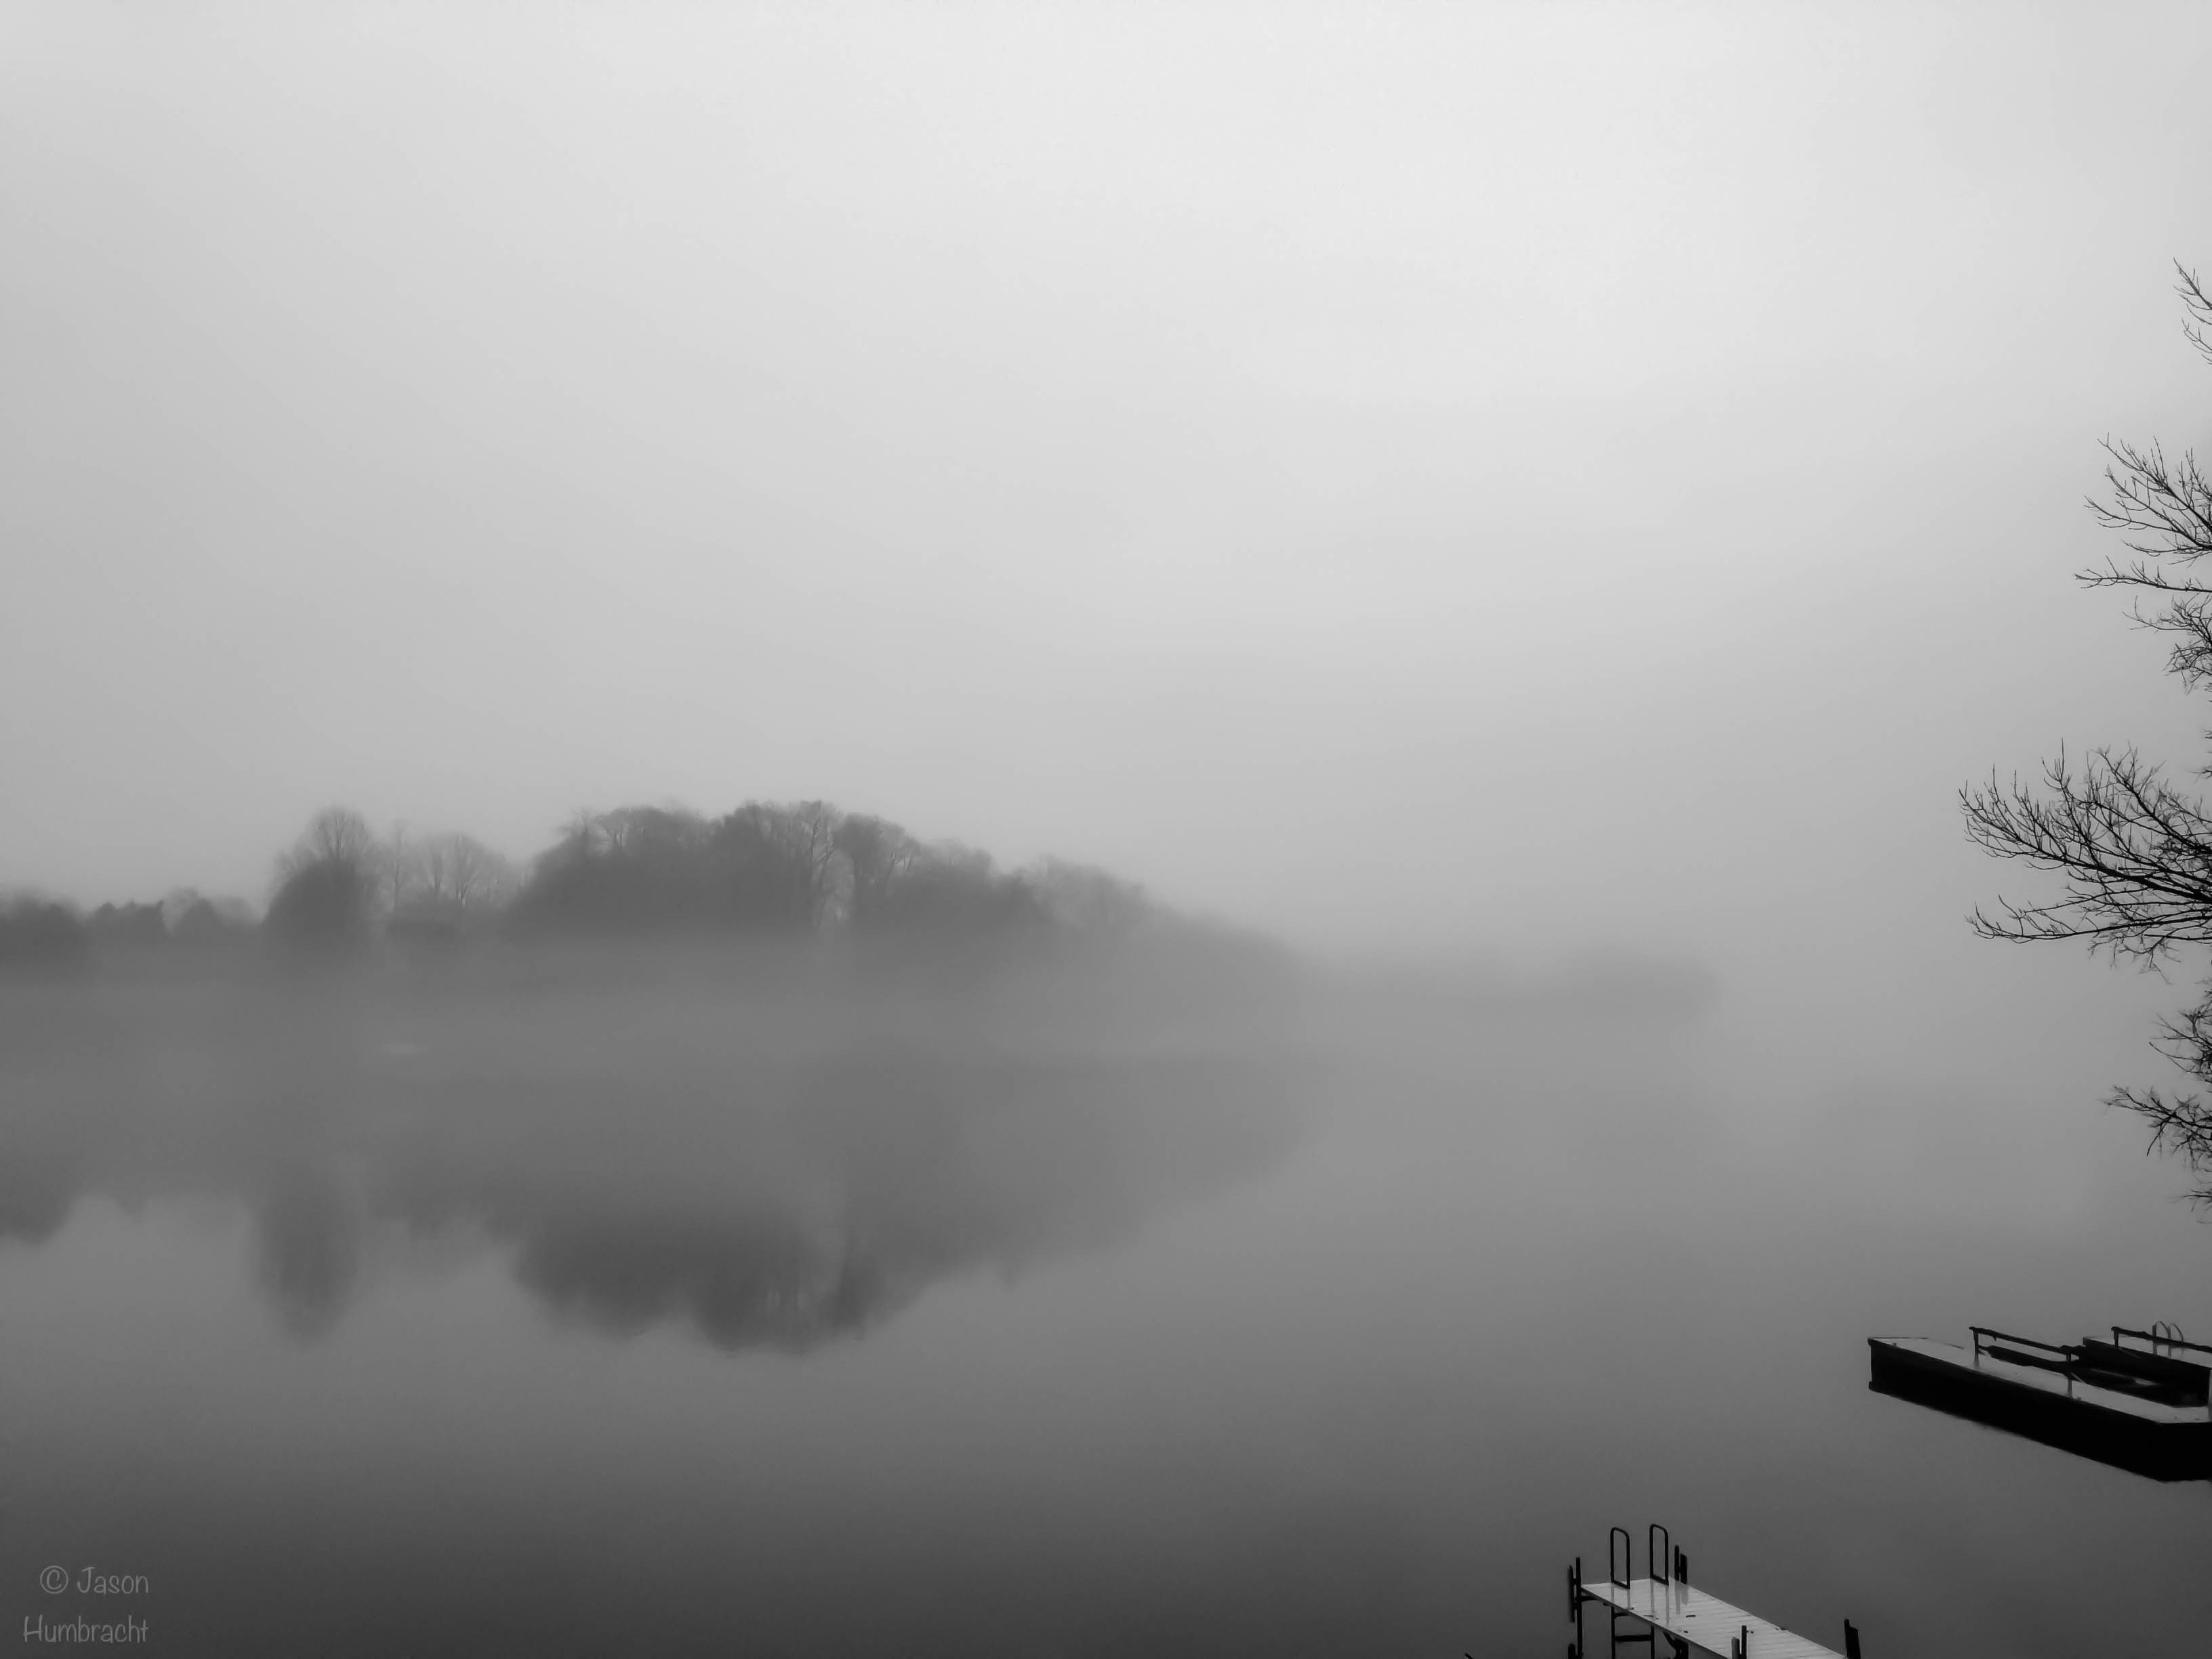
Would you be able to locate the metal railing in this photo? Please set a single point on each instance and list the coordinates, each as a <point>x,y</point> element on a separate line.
<point>2155,1372</point>
<point>2068,1355</point>
<point>2161,1335</point>
<point>1981,1331</point>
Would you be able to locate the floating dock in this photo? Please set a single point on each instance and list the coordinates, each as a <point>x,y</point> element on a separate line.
<point>1663,1608</point>
<point>2146,1409</point>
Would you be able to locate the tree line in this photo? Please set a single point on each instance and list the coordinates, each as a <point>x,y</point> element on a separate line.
<point>765,868</point>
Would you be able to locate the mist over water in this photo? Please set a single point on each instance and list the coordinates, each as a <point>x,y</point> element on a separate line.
<point>681,1300</point>
<point>1422,584</point>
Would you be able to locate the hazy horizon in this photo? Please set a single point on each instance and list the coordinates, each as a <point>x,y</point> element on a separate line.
<point>1511,525</point>
<point>1601,452</point>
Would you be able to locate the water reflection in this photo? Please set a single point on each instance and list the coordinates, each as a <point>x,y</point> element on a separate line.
<point>35,1194</point>
<point>1320,1382</point>
<point>310,1250</point>
<point>759,1194</point>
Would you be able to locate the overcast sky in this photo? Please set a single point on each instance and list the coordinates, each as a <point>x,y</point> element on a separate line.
<point>1400,475</point>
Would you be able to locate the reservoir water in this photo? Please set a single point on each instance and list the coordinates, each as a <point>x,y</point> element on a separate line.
<point>681,1321</point>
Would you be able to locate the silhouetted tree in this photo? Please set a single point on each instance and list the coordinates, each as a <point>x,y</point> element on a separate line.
<point>810,828</point>
<point>130,924</point>
<point>770,865</point>
<point>445,885</point>
<point>192,919</point>
<point>200,923</point>
<point>462,873</point>
<point>796,867</point>
<point>330,885</point>
<point>336,834</point>
<point>39,936</point>
<point>399,859</point>
<point>2134,855</point>
<point>953,890</point>
<point>636,868</point>
<point>1088,901</point>
<point>878,855</point>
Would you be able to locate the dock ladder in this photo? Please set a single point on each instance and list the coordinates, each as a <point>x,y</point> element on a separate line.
<point>1661,1607</point>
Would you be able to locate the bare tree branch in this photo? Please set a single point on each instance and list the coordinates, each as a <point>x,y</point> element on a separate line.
<point>2133,855</point>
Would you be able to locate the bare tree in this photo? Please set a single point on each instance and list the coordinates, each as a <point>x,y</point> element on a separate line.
<point>878,853</point>
<point>336,834</point>
<point>459,873</point>
<point>330,882</point>
<point>791,855</point>
<point>2132,852</point>
<point>813,830</point>
<point>1089,901</point>
<point>402,868</point>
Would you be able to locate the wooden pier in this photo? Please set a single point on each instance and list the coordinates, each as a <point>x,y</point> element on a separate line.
<point>1698,1623</point>
<point>2146,1413</point>
<point>1661,1608</point>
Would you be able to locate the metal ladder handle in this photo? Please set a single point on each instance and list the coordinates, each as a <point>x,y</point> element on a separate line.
<point>1669,1565</point>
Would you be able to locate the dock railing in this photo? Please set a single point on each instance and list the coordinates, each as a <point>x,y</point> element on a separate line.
<point>2161,1338</point>
<point>2157,1370</point>
<point>2068,1355</point>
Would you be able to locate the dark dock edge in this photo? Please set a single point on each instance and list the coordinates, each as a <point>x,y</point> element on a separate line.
<point>2157,1451</point>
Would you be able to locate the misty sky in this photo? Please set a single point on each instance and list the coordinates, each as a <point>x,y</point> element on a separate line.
<point>1421,474</point>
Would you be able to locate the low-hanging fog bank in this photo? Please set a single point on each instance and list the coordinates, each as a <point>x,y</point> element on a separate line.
<point>1504,479</point>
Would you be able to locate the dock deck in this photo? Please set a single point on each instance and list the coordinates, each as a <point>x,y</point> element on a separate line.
<point>1708,1624</point>
<point>2154,1438</point>
<point>1948,1358</point>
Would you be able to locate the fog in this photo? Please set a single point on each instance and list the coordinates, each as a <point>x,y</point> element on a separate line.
<point>1217,448</point>
<point>1481,542</point>
<point>805,1298</point>
<point>772,1147</point>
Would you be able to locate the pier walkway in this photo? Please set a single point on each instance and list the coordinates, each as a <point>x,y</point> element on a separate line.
<point>1707,1623</point>
<point>1661,1608</point>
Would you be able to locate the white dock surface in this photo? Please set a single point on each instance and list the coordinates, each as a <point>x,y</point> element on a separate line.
<point>1707,1623</point>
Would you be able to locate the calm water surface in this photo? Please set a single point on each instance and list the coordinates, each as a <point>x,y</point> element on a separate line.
<point>583,1323</point>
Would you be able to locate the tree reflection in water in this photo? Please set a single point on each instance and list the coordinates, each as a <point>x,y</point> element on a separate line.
<point>758,1195</point>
